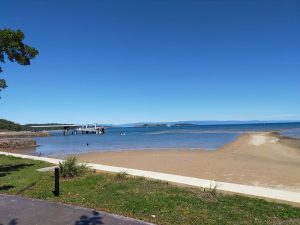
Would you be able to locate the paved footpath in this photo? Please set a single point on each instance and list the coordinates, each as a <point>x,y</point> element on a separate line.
<point>16,210</point>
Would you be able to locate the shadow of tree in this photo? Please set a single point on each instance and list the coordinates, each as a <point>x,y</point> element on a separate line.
<point>95,219</point>
<point>6,169</point>
<point>6,187</point>
<point>12,222</point>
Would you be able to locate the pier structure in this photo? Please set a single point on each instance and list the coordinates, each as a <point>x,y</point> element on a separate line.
<point>72,129</point>
<point>89,129</point>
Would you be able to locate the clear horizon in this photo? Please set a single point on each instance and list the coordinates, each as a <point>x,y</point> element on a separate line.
<point>122,62</point>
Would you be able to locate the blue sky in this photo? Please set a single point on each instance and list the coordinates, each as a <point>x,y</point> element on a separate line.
<point>154,60</point>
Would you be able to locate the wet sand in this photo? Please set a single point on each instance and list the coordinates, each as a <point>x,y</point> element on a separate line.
<point>260,159</point>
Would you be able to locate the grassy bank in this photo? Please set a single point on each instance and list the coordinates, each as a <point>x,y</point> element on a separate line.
<point>154,201</point>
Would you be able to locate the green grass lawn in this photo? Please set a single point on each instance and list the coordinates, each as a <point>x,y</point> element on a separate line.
<point>140,198</point>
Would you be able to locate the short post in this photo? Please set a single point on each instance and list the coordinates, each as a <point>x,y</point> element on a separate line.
<point>56,182</point>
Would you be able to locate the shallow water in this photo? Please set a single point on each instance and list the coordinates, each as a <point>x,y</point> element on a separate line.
<point>133,140</point>
<point>209,137</point>
<point>295,133</point>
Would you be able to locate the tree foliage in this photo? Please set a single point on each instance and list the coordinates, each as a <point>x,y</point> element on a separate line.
<point>9,125</point>
<point>13,49</point>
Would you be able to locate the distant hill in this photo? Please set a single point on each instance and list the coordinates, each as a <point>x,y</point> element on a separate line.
<point>151,125</point>
<point>198,122</point>
<point>232,122</point>
<point>6,125</point>
<point>184,124</point>
<point>165,125</point>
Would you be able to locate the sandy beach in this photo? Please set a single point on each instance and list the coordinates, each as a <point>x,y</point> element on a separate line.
<point>261,159</point>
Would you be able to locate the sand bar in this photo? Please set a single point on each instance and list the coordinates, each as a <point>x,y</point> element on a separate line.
<point>259,159</point>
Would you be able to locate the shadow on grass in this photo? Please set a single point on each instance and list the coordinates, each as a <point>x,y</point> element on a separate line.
<point>7,169</point>
<point>12,222</point>
<point>5,188</point>
<point>95,219</point>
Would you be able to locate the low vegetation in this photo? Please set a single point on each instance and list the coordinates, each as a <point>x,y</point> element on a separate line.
<point>121,176</point>
<point>71,168</point>
<point>6,125</point>
<point>154,201</point>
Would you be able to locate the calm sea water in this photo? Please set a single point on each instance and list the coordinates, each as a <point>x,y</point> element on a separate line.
<point>208,137</point>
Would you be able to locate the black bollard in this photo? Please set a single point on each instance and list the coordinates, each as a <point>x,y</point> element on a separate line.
<point>56,182</point>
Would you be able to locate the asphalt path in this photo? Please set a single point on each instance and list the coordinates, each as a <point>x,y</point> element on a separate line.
<point>17,210</point>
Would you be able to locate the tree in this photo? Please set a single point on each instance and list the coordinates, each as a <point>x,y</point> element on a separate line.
<point>13,49</point>
<point>9,125</point>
